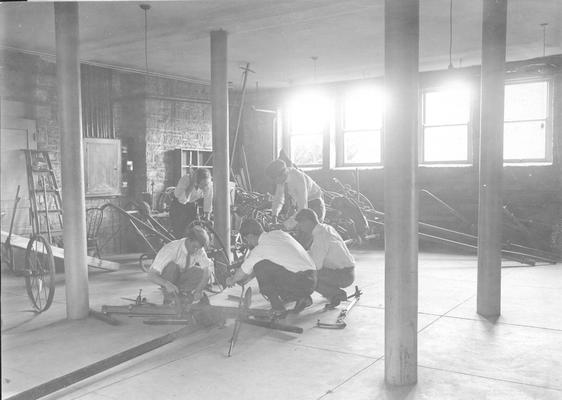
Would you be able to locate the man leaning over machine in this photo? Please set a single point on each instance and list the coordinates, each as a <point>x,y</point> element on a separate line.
<point>285,272</point>
<point>303,190</point>
<point>335,264</point>
<point>182,267</point>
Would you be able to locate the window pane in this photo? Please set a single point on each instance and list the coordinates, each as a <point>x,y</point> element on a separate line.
<point>308,114</point>
<point>447,107</point>
<point>526,101</point>
<point>306,149</point>
<point>447,143</point>
<point>363,109</point>
<point>362,147</point>
<point>524,140</point>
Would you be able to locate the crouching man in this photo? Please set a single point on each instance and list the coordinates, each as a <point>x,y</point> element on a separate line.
<point>335,264</point>
<point>285,272</point>
<point>182,267</point>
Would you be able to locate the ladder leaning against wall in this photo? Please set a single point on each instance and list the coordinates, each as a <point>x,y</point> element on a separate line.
<point>44,196</point>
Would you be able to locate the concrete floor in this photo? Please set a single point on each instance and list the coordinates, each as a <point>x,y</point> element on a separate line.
<point>461,355</point>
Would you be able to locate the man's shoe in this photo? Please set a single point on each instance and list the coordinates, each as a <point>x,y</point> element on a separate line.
<point>336,300</point>
<point>302,304</point>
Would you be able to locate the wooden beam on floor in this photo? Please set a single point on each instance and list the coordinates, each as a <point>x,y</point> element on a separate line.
<point>21,242</point>
<point>64,381</point>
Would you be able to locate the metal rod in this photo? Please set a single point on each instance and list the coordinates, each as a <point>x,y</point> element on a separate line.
<point>240,110</point>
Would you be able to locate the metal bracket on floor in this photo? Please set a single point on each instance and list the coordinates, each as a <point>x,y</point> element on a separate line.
<point>340,320</point>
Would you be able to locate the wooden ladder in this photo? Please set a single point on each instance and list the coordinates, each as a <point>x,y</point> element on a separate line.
<point>44,196</point>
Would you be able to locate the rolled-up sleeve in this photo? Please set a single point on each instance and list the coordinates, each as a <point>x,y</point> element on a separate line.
<point>253,258</point>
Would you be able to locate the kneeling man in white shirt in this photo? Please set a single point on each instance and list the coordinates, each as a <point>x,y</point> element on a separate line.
<point>335,264</point>
<point>182,267</point>
<point>285,272</point>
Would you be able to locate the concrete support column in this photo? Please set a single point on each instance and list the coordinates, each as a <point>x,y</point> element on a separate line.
<point>219,103</point>
<point>72,163</point>
<point>491,157</point>
<point>400,193</point>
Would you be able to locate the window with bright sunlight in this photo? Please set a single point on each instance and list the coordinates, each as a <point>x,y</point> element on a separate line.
<point>362,126</point>
<point>445,136</point>
<point>525,127</point>
<point>309,115</point>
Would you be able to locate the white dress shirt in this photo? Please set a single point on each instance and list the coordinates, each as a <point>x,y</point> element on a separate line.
<point>281,248</point>
<point>328,249</point>
<point>300,187</point>
<point>183,197</point>
<point>176,252</point>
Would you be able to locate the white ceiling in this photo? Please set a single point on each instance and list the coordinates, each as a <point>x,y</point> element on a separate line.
<point>277,37</point>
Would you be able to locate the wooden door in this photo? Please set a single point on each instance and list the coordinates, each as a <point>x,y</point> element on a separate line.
<point>15,135</point>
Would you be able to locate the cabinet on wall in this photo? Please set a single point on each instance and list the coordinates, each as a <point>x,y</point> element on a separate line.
<point>184,159</point>
<point>102,162</point>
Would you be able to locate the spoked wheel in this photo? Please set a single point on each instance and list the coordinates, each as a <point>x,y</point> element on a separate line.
<point>40,273</point>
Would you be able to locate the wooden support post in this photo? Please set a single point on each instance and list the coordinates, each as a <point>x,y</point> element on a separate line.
<point>72,164</point>
<point>219,103</point>
<point>400,194</point>
<point>491,157</point>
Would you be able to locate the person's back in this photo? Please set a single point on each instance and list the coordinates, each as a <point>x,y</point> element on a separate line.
<point>281,248</point>
<point>335,264</point>
<point>328,250</point>
<point>283,269</point>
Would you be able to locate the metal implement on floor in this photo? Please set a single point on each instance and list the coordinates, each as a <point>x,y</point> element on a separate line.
<point>340,320</point>
<point>202,314</point>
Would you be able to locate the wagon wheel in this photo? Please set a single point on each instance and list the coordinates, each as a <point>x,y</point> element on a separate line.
<point>8,256</point>
<point>40,273</point>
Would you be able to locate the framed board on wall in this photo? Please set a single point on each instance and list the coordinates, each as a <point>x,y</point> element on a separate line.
<point>102,167</point>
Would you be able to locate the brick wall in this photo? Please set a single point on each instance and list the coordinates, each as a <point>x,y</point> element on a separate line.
<point>146,119</point>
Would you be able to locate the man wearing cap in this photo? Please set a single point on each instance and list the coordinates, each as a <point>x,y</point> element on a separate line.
<point>299,186</point>
<point>182,267</point>
<point>335,264</point>
<point>285,272</point>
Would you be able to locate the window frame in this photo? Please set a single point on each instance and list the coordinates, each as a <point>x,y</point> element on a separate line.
<point>324,134</point>
<point>549,122</point>
<point>341,131</point>
<point>469,130</point>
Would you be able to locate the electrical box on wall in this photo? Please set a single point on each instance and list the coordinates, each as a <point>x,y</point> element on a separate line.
<point>127,166</point>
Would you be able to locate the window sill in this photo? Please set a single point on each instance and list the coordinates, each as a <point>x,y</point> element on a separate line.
<point>528,164</point>
<point>444,165</point>
<point>359,167</point>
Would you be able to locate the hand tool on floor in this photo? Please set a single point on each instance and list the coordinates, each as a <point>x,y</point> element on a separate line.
<point>340,320</point>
